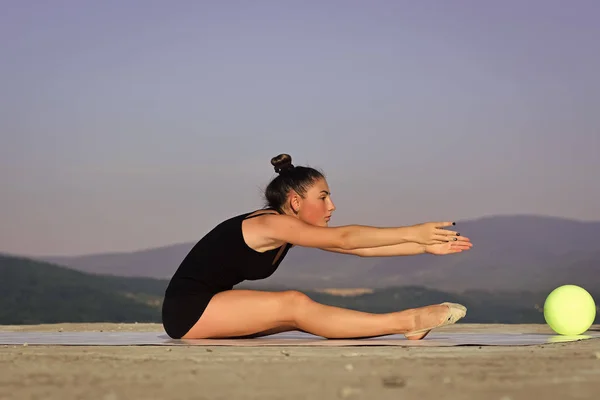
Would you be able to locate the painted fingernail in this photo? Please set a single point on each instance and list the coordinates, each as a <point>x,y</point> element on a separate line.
<point>455,239</point>
<point>458,234</point>
<point>454,223</point>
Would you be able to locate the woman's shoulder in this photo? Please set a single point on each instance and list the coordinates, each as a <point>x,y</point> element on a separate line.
<point>248,215</point>
<point>258,213</point>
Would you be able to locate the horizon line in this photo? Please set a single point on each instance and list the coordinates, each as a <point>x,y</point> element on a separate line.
<point>193,241</point>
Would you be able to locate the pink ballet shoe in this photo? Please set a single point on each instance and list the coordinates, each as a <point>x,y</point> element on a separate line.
<point>455,313</point>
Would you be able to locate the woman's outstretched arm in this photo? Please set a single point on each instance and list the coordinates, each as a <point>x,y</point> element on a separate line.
<point>409,249</point>
<point>283,228</point>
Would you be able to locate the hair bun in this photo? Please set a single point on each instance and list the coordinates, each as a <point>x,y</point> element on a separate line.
<point>282,162</point>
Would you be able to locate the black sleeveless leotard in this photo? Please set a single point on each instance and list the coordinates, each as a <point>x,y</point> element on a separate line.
<point>218,262</point>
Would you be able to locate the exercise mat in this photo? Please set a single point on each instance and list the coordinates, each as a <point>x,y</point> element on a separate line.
<point>434,339</point>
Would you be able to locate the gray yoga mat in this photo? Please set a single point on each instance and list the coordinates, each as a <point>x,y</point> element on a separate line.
<point>434,339</point>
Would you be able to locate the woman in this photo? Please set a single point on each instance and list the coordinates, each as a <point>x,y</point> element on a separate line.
<point>200,301</point>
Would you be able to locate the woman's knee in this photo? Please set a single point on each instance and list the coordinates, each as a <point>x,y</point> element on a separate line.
<point>295,298</point>
<point>294,302</point>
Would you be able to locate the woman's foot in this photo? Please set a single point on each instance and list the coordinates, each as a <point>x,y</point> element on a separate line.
<point>435,316</point>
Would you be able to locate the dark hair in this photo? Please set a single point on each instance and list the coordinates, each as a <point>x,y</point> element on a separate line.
<point>298,179</point>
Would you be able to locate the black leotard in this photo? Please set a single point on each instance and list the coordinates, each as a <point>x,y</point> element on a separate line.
<point>219,261</point>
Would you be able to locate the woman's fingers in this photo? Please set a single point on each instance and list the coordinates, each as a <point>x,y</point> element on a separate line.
<point>445,238</point>
<point>446,232</point>
<point>443,224</point>
<point>461,246</point>
<point>445,247</point>
<point>449,236</point>
<point>462,241</point>
<point>441,235</point>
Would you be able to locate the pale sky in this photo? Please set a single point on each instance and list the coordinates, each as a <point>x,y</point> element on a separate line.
<point>132,124</point>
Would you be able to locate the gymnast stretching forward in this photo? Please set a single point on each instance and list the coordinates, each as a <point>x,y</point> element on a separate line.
<point>200,301</point>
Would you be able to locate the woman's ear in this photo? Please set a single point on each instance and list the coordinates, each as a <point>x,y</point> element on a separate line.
<point>294,202</point>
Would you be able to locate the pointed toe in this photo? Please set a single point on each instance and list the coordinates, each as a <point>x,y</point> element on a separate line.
<point>455,313</point>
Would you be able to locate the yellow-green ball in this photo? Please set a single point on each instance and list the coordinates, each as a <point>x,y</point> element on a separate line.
<point>569,310</point>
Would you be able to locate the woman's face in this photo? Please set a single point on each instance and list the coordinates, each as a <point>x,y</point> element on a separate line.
<point>316,206</point>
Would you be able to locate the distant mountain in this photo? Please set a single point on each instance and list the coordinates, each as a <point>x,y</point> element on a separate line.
<point>34,292</point>
<point>37,292</point>
<point>509,253</point>
<point>159,262</point>
<point>521,252</point>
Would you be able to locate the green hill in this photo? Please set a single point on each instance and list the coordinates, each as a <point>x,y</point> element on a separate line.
<point>35,292</point>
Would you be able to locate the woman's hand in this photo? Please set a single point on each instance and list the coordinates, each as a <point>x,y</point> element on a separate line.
<point>440,249</point>
<point>432,233</point>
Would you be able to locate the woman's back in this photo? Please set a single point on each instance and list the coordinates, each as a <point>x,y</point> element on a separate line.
<point>222,259</point>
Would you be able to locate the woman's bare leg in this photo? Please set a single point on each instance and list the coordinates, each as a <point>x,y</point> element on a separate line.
<point>249,313</point>
<point>284,328</point>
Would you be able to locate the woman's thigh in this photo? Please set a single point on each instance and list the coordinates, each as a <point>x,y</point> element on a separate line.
<point>247,313</point>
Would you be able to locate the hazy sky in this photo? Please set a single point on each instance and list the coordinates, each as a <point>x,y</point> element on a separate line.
<point>133,124</point>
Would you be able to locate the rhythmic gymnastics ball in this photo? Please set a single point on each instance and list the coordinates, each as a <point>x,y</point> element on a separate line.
<point>569,310</point>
